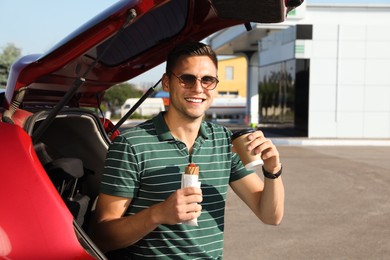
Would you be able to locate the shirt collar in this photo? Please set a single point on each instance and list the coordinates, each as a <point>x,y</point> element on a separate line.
<point>162,129</point>
<point>204,130</point>
<point>164,134</point>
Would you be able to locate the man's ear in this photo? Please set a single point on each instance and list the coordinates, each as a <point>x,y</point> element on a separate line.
<point>165,82</point>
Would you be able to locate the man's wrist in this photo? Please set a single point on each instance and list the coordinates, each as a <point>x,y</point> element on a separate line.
<point>154,215</point>
<point>270,175</point>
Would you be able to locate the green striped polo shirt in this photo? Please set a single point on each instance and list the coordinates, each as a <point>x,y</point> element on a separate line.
<point>146,163</point>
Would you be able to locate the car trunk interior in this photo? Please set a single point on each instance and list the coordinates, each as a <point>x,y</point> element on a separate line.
<point>72,151</point>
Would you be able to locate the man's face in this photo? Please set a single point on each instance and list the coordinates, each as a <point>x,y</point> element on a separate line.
<point>191,102</point>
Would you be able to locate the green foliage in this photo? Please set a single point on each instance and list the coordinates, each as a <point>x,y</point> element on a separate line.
<point>268,90</point>
<point>9,55</point>
<point>117,95</point>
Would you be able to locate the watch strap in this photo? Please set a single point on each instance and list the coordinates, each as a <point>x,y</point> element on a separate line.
<point>272,175</point>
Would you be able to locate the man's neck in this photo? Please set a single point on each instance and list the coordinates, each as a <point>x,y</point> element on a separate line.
<point>184,129</point>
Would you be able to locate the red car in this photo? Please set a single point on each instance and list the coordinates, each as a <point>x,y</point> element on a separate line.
<point>53,144</point>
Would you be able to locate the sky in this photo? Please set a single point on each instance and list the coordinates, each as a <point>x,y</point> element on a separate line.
<point>35,26</point>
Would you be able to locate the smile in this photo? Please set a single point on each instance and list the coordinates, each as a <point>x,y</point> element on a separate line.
<point>195,100</point>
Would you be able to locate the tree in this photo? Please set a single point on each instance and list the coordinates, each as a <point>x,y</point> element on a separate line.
<point>117,95</point>
<point>9,55</point>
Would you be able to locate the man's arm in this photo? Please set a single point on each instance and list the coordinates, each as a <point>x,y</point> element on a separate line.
<point>112,230</point>
<point>265,199</point>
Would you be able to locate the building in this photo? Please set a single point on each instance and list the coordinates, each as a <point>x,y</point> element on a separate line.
<point>232,75</point>
<point>324,70</point>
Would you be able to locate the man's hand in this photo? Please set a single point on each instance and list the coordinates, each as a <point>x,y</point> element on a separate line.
<point>264,146</point>
<point>182,205</point>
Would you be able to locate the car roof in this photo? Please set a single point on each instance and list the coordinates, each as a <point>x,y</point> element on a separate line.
<point>120,43</point>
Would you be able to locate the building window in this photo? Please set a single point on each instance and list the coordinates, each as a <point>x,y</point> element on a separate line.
<point>229,73</point>
<point>228,93</point>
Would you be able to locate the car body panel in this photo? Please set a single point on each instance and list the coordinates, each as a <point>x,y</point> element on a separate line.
<point>34,218</point>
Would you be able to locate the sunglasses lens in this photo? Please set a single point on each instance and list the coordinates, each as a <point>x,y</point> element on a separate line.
<point>188,79</point>
<point>207,80</point>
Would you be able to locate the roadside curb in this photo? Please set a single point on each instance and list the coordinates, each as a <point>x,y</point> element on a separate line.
<point>330,142</point>
<point>304,141</point>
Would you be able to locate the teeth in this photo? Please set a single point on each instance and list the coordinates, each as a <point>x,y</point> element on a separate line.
<point>194,100</point>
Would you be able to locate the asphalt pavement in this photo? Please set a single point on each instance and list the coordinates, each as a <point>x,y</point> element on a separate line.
<point>337,206</point>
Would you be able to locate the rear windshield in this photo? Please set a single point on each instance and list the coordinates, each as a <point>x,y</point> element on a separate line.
<point>153,28</point>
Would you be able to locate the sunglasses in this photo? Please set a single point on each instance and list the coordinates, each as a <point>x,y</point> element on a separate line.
<point>188,81</point>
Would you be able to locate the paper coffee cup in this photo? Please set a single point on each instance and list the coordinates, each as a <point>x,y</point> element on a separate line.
<point>240,142</point>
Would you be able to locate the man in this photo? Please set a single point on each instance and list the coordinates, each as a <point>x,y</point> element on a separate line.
<point>142,206</point>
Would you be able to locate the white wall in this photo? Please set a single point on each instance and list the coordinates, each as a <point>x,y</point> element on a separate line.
<point>349,68</point>
<point>350,81</point>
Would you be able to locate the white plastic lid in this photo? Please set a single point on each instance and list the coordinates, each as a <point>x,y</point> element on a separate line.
<point>252,165</point>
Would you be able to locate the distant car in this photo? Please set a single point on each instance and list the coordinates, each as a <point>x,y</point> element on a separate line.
<point>53,135</point>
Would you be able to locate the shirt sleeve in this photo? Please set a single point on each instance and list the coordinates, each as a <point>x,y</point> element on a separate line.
<point>121,171</point>
<point>238,170</point>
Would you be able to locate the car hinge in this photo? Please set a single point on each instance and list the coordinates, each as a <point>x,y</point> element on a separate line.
<point>7,115</point>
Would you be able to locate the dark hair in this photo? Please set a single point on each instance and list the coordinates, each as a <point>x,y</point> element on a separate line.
<point>189,49</point>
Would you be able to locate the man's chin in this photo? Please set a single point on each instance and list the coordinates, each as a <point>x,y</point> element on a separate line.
<point>195,116</point>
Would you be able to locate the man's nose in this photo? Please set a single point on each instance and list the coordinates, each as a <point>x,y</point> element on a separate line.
<point>198,86</point>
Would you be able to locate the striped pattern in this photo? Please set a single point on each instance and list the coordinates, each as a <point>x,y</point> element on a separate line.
<point>146,164</point>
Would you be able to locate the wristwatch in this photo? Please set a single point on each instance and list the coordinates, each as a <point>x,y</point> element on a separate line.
<point>272,175</point>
